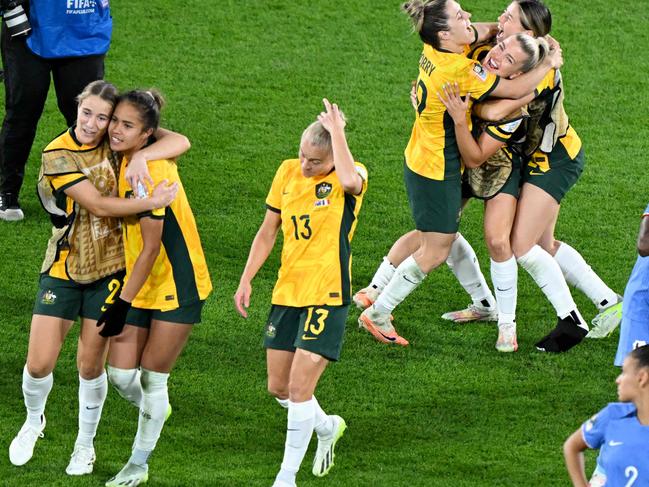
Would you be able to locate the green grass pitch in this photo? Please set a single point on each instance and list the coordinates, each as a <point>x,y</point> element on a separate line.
<point>242,81</point>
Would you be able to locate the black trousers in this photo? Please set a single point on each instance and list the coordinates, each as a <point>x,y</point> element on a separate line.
<point>27,81</point>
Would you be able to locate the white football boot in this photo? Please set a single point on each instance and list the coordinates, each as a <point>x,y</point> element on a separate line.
<point>81,461</point>
<point>324,455</point>
<point>130,476</point>
<point>21,449</point>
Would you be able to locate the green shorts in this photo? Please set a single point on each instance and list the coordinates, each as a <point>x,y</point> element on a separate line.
<point>318,329</point>
<point>186,315</point>
<point>69,300</point>
<point>562,175</point>
<point>435,205</point>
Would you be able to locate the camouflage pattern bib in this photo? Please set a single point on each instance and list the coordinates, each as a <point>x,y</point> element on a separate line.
<point>93,244</point>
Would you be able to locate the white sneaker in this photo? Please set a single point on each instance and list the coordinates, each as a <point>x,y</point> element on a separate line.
<point>506,337</point>
<point>606,321</point>
<point>81,461</point>
<point>472,313</point>
<point>131,475</point>
<point>324,455</point>
<point>365,297</point>
<point>21,449</point>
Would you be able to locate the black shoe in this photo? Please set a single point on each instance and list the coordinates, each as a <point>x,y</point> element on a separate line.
<point>565,335</point>
<point>9,208</point>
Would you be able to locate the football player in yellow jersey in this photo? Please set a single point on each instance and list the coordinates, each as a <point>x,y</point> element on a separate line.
<point>315,201</point>
<point>555,165</point>
<point>509,58</point>
<point>166,284</point>
<point>83,267</point>
<point>433,166</point>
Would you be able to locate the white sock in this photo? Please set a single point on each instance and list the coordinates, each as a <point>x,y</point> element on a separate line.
<point>504,276</point>
<point>92,394</point>
<point>35,392</point>
<point>127,383</point>
<point>322,425</point>
<point>153,410</point>
<point>301,417</point>
<point>548,276</point>
<point>466,268</point>
<point>580,275</point>
<point>383,275</point>
<point>282,402</point>
<point>406,278</point>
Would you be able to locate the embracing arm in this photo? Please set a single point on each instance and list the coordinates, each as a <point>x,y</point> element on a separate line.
<point>573,452</point>
<point>152,240</point>
<point>494,110</point>
<point>91,199</point>
<point>484,31</point>
<point>643,237</point>
<point>522,85</point>
<point>333,122</point>
<point>168,145</point>
<point>473,152</point>
<point>113,319</point>
<point>260,249</point>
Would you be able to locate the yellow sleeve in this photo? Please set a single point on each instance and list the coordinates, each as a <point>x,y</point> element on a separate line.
<point>61,182</point>
<point>503,131</point>
<point>362,172</point>
<point>159,171</point>
<point>476,81</point>
<point>274,198</point>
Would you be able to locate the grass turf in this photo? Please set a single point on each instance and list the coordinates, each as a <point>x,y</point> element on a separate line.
<point>242,80</point>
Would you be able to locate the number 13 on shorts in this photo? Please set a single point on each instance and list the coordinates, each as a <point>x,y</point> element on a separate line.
<point>314,324</point>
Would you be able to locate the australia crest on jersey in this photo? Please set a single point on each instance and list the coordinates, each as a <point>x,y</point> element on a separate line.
<point>322,190</point>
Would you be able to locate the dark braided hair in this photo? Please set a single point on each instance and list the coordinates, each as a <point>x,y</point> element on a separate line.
<point>148,103</point>
<point>641,354</point>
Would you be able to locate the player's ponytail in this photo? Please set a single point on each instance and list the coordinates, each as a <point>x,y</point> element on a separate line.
<point>534,49</point>
<point>428,19</point>
<point>148,102</point>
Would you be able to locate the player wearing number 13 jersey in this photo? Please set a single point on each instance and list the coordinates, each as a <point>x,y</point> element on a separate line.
<point>318,222</point>
<point>315,201</point>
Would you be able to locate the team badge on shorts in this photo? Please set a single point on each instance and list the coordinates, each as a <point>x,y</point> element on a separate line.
<point>48,297</point>
<point>271,331</point>
<point>323,190</point>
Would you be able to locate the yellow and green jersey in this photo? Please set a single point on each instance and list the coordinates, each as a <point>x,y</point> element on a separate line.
<point>83,247</point>
<point>318,222</point>
<point>179,276</point>
<point>432,151</point>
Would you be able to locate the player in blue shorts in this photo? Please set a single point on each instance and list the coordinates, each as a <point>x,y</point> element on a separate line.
<point>634,331</point>
<point>620,431</point>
